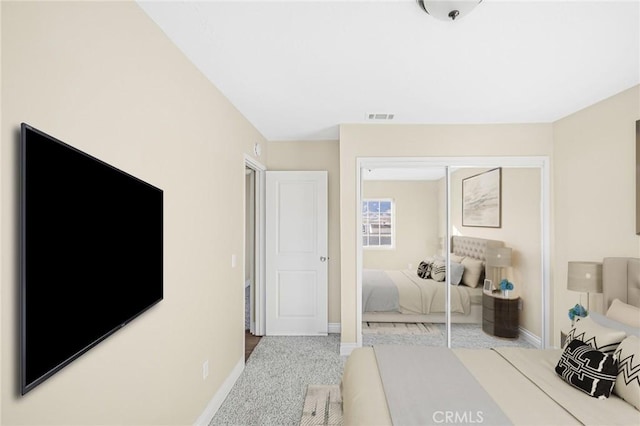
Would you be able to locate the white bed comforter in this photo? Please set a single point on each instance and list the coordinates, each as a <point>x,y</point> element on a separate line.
<point>522,382</point>
<point>415,295</point>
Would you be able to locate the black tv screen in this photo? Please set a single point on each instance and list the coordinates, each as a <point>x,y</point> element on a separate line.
<point>91,253</point>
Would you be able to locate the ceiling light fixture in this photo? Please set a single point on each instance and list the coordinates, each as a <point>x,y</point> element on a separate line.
<point>448,10</point>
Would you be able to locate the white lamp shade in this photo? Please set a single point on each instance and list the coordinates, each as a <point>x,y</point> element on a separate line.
<point>442,9</point>
<point>499,257</point>
<point>585,277</point>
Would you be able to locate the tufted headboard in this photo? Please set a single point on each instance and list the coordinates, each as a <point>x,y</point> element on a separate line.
<point>621,280</point>
<point>472,246</point>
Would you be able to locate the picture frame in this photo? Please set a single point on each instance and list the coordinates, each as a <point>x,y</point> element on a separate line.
<point>488,285</point>
<point>482,199</point>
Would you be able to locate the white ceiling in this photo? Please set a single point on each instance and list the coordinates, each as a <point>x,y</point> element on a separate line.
<point>298,69</point>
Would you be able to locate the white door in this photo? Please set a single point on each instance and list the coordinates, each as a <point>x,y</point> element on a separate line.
<point>296,253</point>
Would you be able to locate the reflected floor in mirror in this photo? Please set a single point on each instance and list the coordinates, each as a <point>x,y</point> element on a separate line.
<point>462,336</point>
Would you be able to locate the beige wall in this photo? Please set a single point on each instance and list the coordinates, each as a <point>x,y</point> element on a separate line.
<point>594,189</point>
<point>416,223</point>
<point>104,78</point>
<point>423,141</point>
<point>521,229</point>
<point>317,155</point>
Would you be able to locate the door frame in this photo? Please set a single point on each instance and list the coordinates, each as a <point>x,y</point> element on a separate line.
<point>259,242</point>
<point>541,162</point>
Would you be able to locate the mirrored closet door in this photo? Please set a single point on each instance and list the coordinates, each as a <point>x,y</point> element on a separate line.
<point>459,247</point>
<point>403,234</point>
<point>496,237</point>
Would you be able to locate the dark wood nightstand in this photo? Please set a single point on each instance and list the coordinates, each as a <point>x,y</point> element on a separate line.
<point>500,315</point>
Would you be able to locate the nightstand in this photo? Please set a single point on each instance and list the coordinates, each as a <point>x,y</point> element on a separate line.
<point>500,315</point>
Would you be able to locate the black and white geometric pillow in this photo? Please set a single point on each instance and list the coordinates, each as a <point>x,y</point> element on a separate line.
<point>628,381</point>
<point>587,369</point>
<point>601,338</point>
<point>424,269</point>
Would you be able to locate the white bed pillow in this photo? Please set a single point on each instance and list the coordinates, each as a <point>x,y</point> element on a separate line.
<point>456,258</point>
<point>624,313</point>
<point>472,271</point>
<point>627,384</point>
<point>601,338</point>
<point>611,323</point>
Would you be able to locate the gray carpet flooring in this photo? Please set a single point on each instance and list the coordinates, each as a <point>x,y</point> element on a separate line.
<point>271,389</point>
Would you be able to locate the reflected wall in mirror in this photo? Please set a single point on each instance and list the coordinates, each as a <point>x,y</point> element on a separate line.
<point>521,228</point>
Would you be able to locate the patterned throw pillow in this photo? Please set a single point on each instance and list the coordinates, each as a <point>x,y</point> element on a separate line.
<point>438,270</point>
<point>424,269</point>
<point>601,338</point>
<point>587,369</point>
<point>628,381</point>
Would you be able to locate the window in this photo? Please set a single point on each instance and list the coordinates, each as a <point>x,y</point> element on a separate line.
<point>378,223</point>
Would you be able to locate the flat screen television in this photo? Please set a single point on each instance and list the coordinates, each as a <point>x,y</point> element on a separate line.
<point>91,253</point>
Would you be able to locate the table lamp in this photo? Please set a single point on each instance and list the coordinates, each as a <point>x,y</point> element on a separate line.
<point>585,277</point>
<point>498,257</point>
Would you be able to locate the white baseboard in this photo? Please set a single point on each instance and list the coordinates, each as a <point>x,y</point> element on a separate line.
<point>530,337</point>
<point>216,402</point>
<point>335,328</point>
<point>347,348</point>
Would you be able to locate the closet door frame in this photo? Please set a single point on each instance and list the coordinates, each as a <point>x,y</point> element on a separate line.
<point>540,162</point>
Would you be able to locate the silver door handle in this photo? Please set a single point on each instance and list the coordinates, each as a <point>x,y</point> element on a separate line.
<point>323,259</point>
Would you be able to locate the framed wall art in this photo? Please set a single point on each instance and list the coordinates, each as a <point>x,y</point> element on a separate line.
<point>481,199</point>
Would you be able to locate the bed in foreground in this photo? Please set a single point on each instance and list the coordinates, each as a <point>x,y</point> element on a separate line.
<point>403,385</point>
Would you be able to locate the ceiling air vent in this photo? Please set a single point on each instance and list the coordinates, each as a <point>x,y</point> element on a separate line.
<point>380,117</point>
